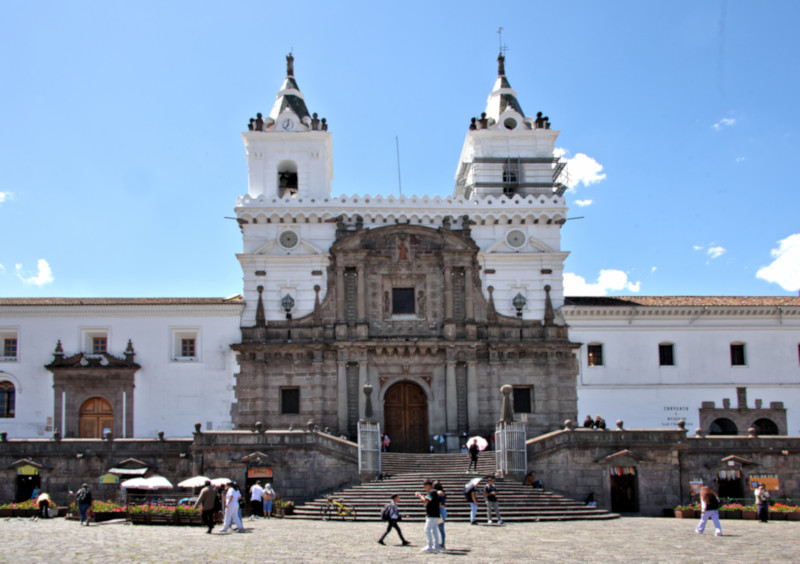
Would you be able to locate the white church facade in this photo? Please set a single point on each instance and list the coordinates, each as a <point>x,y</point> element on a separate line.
<point>421,306</point>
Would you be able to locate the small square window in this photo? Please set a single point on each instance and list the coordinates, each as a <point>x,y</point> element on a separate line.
<point>595,353</point>
<point>403,301</point>
<point>99,345</point>
<point>10,348</point>
<point>187,348</point>
<point>522,400</point>
<point>290,401</point>
<point>737,355</point>
<point>666,355</point>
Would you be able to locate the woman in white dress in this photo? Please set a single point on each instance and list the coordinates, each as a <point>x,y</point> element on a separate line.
<point>232,498</point>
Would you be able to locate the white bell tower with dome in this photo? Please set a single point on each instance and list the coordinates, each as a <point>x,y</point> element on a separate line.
<point>289,153</point>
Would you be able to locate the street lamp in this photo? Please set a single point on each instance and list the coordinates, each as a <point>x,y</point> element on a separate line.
<point>519,302</point>
<point>287,302</point>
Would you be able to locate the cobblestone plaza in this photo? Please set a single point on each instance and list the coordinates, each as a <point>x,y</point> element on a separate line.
<point>278,540</point>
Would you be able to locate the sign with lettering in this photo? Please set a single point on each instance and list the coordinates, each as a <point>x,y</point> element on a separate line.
<point>770,481</point>
<point>27,470</point>
<point>674,413</point>
<point>259,472</point>
<point>109,479</point>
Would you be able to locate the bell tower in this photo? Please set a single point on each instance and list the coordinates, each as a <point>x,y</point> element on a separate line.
<point>289,152</point>
<point>506,153</point>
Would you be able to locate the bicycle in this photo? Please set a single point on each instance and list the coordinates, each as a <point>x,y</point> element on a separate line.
<point>335,508</point>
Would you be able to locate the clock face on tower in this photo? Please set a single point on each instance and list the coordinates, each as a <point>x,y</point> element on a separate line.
<point>286,124</point>
<point>288,239</point>
<point>515,239</point>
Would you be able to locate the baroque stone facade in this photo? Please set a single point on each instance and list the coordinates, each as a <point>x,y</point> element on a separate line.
<point>404,306</point>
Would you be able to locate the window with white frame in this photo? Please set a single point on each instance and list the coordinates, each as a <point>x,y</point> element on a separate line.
<point>185,345</point>
<point>9,345</point>
<point>95,341</point>
<point>594,354</point>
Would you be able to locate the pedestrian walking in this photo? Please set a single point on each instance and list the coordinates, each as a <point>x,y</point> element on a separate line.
<point>431,500</point>
<point>490,494</point>
<point>709,502</point>
<point>473,455</point>
<point>232,498</point>
<point>472,499</point>
<point>442,512</point>
<point>762,503</point>
<point>391,514</point>
<point>256,500</point>
<point>269,497</point>
<point>207,503</point>
<point>84,501</point>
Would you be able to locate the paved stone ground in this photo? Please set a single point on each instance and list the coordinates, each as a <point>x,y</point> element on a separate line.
<point>278,540</point>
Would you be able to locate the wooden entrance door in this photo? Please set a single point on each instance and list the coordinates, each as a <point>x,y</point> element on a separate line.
<point>97,416</point>
<point>405,417</point>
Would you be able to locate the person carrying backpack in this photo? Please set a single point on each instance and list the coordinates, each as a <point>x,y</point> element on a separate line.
<point>391,514</point>
<point>84,500</point>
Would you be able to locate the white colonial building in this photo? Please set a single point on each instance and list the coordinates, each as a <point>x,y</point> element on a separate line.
<point>431,303</point>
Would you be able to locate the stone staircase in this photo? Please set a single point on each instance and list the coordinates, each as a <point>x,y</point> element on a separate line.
<point>406,472</point>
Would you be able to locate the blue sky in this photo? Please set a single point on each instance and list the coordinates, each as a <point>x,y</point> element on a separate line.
<point>120,147</point>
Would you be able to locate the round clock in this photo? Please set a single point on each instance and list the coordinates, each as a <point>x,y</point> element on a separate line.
<point>288,239</point>
<point>515,238</point>
<point>287,125</point>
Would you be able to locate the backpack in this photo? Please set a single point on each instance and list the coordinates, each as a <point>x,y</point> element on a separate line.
<point>83,496</point>
<point>386,512</point>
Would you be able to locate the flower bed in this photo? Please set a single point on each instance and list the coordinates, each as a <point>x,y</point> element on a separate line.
<point>158,514</point>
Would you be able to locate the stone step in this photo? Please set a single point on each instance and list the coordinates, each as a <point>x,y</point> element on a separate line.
<point>404,474</point>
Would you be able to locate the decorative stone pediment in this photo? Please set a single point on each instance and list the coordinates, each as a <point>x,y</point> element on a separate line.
<point>91,361</point>
<point>622,458</point>
<point>255,459</point>
<point>389,240</point>
<point>734,460</point>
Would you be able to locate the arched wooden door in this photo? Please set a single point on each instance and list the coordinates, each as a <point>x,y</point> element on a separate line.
<point>97,417</point>
<point>405,417</point>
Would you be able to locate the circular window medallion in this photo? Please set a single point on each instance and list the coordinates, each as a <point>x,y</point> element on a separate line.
<point>288,239</point>
<point>515,239</point>
<point>510,123</point>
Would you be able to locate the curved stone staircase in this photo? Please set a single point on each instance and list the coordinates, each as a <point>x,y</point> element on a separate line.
<point>406,473</point>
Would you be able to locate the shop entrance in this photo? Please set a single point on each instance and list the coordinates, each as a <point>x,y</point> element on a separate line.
<point>624,497</point>
<point>26,483</point>
<point>97,418</point>
<point>405,417</point>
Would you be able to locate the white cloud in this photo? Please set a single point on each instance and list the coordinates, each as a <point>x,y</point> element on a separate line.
<point>716,252</point>
<point>4,196</point>
<point>741,159</point>
<point>609,280</point>
<point>652,270</point>
<point>42,277</point>
<point>724,122</point>
<point>581,169</point>
<point>584,203</point>
<point>697,247</point>
<point>784,270</point>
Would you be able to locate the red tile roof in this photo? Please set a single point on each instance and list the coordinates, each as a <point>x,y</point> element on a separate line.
<point>118,301</point>
<point>684,301</point>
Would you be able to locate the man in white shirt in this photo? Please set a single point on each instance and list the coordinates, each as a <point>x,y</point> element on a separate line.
<point>256,496</point>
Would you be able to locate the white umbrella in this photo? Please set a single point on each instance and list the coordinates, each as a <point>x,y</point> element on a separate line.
<point>193,482</point>
<point>472,484</point>
<point>483,444</point>
<point>220,481</point>
<point>151,483</point>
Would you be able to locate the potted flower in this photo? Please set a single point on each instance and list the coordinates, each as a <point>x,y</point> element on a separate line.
<point>288,507</point>
<point>780,511</point>
<point>686,511</point>
<point>731,511</point>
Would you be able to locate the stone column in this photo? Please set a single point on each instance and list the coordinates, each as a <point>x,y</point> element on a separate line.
<point>341,395</point>
<point>468,306</point>
<point>472,395</point>
<point>451,396</point>
<point>448,292</point>
<point>362,294</point>
<point>340,293</point>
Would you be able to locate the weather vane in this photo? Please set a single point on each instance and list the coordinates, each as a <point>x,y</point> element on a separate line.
<point>503,48</point>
